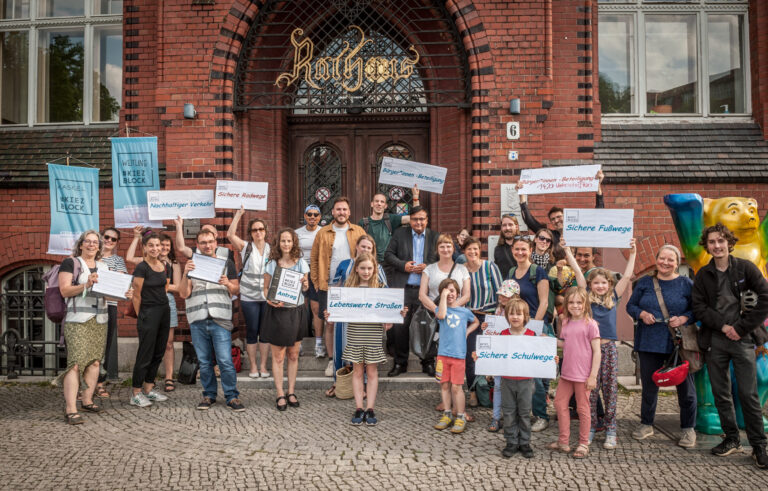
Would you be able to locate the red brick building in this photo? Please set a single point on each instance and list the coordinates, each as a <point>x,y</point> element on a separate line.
<point>308,95</point>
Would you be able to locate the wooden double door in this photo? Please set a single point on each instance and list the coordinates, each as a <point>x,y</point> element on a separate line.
<point>341,156</point>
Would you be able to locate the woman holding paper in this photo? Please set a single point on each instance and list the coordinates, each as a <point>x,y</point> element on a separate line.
<point>283,324</point>
<point>254,255</point>
<point>485,281</point>
<point>85,325</point>
<point>153,320</point>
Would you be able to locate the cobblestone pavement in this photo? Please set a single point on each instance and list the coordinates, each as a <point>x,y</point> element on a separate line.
<point>172,445</point>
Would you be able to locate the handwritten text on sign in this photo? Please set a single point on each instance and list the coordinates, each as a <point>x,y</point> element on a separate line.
<point>516,356</point>
<point>233,194</point>
<point>189,203</point>
<point>572,179</point>
<point>399,172</point>
<point>366,304</point>
<point>598,227</point>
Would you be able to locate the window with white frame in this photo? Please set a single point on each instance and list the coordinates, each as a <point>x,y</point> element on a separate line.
<point>60,61</point>
<point>663,57</point>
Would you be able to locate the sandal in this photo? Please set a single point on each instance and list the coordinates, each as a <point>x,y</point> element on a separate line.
<point>559,447</point>
<point>581,451</point>
<point>495,426</point>
<point>101,392</point>
<point>170,386</point>
<point>469,418</point>
<point>331,392</point>
<point>295,402</point>
<point>282,407</point>
<point>74,418</point>
<point>92,408</point>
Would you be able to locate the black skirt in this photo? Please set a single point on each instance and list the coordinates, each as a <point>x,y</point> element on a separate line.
<point>283,326</point>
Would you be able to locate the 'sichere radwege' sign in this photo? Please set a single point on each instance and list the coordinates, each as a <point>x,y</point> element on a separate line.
<point>134,172</point>
<point>399,172</point>
<point>249,195</point>
<point>571,179</point>
<point>188,203</point>
<point>366,304</point>
<point>598,227</point>
<point>516,356</point>
<point>74,194</point>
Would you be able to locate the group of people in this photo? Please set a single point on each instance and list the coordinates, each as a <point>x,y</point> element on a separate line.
<point>538,278</point>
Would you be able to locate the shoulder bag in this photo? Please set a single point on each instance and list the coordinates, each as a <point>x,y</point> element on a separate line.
<point>685,337</point>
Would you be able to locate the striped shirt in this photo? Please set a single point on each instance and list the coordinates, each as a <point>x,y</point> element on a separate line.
<point>484,283</point>
<point>114,263</point>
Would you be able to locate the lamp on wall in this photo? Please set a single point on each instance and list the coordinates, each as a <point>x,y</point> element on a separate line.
<point>189,111</point>
<point>514,106</point>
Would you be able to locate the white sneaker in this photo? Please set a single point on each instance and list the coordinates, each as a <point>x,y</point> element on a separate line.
<point>610,442</point>
<point>642,432</point>
<point>254,375</point>
<point>140,400</point>
<point>540,424</point>
<point>156,396</point>
<point>329,369</point>
<point>688,439</point>
<point>320,351</point>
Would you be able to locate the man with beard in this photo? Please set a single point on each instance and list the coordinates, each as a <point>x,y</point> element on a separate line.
<point>502,255</point>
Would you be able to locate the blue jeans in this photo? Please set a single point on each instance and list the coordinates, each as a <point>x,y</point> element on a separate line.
<point>209,340</point>
<point>252,311</point>
<point>541,386</point>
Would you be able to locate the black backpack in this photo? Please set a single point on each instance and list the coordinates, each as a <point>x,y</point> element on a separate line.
<point>189,365</point>
<point>366,223</point>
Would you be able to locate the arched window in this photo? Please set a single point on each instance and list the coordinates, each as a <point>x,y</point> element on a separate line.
<point>396,195</point>
<point>23,293</point>
<point>323,177</point>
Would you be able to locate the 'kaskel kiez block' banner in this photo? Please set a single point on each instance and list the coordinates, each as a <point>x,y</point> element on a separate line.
<point>134,172</point>
<point>74,195</point>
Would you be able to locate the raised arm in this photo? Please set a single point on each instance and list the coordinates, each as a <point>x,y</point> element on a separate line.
<point>236,241</point>
<point>623,283</point>
<point>415,193</point>
<point>599,202</point>
<point>131,256</point>
<point>442,309</point>
<point>181,246</point>
<point>533,224</point>
<point>573,264</point>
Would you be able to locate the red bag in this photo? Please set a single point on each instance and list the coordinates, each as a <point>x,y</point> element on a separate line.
<point>237,358</point>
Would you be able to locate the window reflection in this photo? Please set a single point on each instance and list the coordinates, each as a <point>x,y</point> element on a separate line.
<point>61,8</point>
<point>670,64</point>
<point>14,9</point>
<point>616,45</point>
<point>60,76</point>
<point>726,71</point>
<point>14,73</point>
<point>107,73</point>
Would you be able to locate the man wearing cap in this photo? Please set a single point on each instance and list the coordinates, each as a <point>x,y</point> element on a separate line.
<point>307,235</point>
<point>381,224</point>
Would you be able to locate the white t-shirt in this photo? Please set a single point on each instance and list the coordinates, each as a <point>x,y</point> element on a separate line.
<point>460,273</point>
<point>306,239</point>
<point>340,248</point>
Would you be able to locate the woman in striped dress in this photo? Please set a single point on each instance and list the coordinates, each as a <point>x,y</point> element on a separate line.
<point>365,348</point>
<point>485,280</point>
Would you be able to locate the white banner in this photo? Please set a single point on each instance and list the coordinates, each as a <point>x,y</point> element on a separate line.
<point>189,203</point>
<point>516,356</point>
<point>546,180</point>
<point>233,194</point>
<point>498,323</point>
<point>596,227</point>
<point>366,304</point>
<point>399,172</point>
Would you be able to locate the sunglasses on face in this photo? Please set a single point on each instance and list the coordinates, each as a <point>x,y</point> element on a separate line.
<point>109,238</point>
<point>312,215</point>
<point>260,229</point>
<point>543,239</point>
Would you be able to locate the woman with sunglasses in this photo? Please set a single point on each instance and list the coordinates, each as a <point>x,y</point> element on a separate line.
<point>110,237</point>
<point>254,255</point>
<point>543,249</point>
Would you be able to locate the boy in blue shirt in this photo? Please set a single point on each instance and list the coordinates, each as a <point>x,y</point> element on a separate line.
<point>455,324</point>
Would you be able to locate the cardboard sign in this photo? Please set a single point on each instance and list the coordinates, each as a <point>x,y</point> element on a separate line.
<point>366,305</point>
<point>399,172</point>
<point>285,286</point>
<point>188,203</point>
<point>249,195</point>
<point>598,227</point>
<point>572,179</point>
<point>516,356</point>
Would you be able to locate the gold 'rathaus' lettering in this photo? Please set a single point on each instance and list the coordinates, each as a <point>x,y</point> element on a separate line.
<point>346,68</point>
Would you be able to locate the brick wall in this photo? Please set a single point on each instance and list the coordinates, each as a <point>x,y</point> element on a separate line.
<point>758,52</point>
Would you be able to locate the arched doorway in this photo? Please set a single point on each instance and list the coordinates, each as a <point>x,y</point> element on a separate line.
<point>353,80</point>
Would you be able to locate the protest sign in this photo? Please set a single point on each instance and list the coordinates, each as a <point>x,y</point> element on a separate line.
<point>189,203</point>
<point>399,172</point>
<point>571,179</point>
<point>74,195</point>
<point>496,324</point>
<point>112,283</point>
<point>207,268</point>
<point>516,356</point>
<point>249,195</point>
<point>285,286</point>
<point>598,227</point>
<point>134,172</point>
<point>366,304</point>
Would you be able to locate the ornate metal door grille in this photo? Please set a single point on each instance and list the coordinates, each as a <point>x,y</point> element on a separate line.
<point>322,171</point>
<point>394,194</point>
<point>320,37</point>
